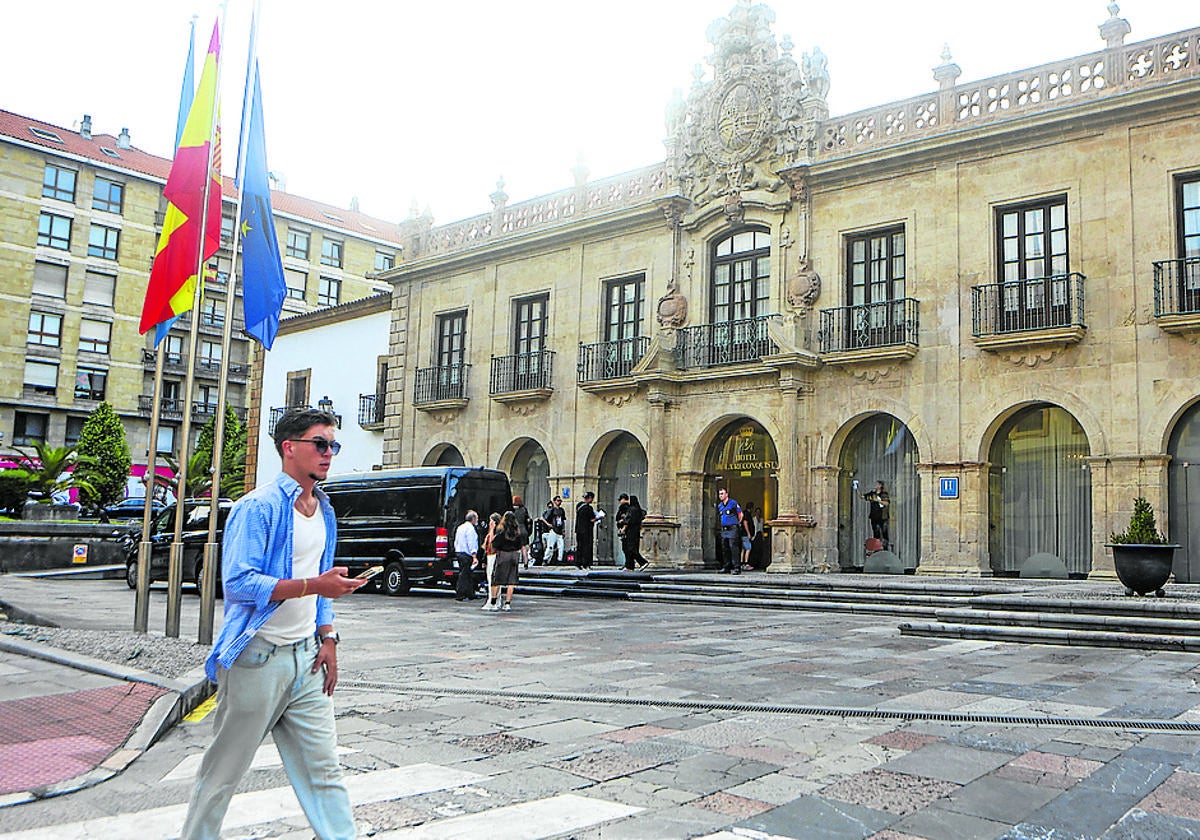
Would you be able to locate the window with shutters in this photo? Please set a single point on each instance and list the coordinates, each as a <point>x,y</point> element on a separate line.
<point>94,336</point>
<point>50,279</point>
<point>99,289</point>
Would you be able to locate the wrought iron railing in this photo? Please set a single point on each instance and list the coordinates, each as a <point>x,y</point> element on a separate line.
<point>1038,303</point>
<point>869,325</point>
<point>370,409</point>
<point>610,359</point>
<point>521,372</point>
<point>276,414</point>
<point>169,407</point>
<point>441,382</point>
<point>725,343</point>
<point>1177,286</point>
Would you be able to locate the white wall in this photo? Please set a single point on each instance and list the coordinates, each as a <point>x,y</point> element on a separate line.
<point>344,362</point>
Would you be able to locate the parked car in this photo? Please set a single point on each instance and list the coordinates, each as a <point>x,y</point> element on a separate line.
<point>162,534</point>
<point>405,520</point>
<point>131,510</point>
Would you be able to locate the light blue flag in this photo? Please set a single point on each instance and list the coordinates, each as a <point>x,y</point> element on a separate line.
<point>186,95</point>
<point>263,286</point>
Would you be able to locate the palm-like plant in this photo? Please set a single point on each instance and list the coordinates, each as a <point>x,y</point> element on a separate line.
<point>48,470</point>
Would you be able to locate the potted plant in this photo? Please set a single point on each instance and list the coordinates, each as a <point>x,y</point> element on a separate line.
<point>1142,556</point>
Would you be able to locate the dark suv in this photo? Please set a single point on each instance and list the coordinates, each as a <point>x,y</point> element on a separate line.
<point>405,519</point>
<point>162,534</point>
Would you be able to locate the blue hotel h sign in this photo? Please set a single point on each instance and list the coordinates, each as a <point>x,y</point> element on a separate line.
<point>948,487</point>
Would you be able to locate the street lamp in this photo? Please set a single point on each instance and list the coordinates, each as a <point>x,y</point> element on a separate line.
<point>325,404</point>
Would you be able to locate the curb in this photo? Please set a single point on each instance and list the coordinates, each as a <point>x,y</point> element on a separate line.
<point>183,695</point>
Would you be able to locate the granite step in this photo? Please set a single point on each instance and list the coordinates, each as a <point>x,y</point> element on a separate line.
<point>1072,621</point>
<point>1051,636</point>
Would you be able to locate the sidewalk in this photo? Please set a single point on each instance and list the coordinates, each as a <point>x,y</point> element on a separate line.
<point>68,720</point>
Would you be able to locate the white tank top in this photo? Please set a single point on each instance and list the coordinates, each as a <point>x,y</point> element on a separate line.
<point>296,618</point>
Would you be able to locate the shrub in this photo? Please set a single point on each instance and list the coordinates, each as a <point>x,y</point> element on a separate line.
<point>14,489</point>
<point>1142,530</point>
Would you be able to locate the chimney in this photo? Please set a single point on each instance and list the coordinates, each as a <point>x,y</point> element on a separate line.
<point>123,139</point>
<point>353,204</point>
<point>85,127</point>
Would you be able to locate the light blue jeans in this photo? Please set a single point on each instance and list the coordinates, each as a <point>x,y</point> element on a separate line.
<point>272,689</point>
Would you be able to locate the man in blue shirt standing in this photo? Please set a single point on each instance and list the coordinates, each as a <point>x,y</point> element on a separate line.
<point>731,543</point>
<point>275,659</point>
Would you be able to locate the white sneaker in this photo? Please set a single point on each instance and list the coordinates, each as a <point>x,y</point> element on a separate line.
<point>493,607</point>
<point>487,605</point>
<point>507,607</point>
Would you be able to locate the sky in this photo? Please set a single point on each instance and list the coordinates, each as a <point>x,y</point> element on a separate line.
<point>428,104</point>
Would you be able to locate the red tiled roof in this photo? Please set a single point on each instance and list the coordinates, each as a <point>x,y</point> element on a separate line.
<point>135,160</point>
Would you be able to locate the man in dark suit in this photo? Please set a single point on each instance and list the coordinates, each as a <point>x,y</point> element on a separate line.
<point>585,532</point>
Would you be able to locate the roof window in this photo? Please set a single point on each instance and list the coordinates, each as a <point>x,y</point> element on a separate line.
<point>45,135</point>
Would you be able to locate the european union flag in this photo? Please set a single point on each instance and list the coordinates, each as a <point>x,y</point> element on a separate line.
<point>263,287</point>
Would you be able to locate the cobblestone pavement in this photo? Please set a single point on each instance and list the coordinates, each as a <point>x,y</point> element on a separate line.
<point>598,719</point>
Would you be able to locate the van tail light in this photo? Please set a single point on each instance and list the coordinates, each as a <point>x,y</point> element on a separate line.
<point>442,543</point>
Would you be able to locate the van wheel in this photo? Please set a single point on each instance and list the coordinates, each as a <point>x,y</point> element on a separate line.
<point>395,580</point>
<point>131,573</point>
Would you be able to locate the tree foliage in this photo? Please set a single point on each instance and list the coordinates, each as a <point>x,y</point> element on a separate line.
<point>105,459</point>
<point>233,454</point>
<point>48,471</point>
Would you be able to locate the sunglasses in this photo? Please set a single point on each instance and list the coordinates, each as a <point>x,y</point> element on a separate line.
<point>322,446</point>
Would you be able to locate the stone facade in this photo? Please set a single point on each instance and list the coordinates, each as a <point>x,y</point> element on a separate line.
<point>987,293</point>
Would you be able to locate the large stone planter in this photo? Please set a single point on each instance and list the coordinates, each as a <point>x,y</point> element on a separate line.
<point>1143,568</point>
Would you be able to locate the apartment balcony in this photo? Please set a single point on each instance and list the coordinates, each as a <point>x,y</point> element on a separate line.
<point>1177,294</point>
<point>723,344</point>
<point>169,408</point>
<point>211,369</point>
<point>522,377</point>
<point>203,412</point>
<point>172,362</point>
<point>370,411</point>
<point>869,332</point>
<point>441,387</point>
<point>606,361</point>
<point>1026,313</point>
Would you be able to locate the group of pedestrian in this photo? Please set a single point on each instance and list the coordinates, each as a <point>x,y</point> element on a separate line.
<point>503,547</point>
<point>740,533</point>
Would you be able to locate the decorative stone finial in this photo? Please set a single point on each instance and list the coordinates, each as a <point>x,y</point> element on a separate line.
<point>1114,30</point>
<point>499,197</point>
<point>580,171</point>
<point>946,73</point>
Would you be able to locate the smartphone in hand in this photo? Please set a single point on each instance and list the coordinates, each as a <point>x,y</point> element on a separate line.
<point>369,573</point>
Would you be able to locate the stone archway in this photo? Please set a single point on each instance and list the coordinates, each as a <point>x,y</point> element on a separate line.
<point>1183,495</point>
<point>879,448</point>
<point>444,455</point>
<point>529,474</point>
<point>743,459</point>
<point>1040,491</point>
<point>622,470</point>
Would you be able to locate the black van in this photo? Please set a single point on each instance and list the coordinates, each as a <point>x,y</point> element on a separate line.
<point>404,520</point>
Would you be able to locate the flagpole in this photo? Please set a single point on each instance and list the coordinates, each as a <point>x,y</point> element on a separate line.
<point>208,583</point>
<point>141,610</point>
<point>175,569</point>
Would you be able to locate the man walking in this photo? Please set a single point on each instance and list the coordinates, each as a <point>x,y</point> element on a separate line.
<point>275,659</point>
<point>585,532</point>
<point>466,549</point>
<point>556,522</point>
<point>730,549</point>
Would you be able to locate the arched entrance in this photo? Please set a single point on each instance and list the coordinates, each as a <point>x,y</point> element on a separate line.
<point>444,455</point>
<point>743,460</point>
<point>880,448</point>
<point>1183,495</point>
<point>1040,492</point>
<point>622,470</point>
<point>530,476</point>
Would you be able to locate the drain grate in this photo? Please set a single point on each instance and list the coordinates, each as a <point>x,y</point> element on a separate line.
<point>767,708</point>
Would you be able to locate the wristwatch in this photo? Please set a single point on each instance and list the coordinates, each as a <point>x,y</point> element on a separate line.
<point>330,637</point>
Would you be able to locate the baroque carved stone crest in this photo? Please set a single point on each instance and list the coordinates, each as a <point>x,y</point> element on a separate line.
<point>758,114</point>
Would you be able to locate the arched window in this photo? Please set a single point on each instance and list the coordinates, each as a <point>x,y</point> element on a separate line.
<point>741,277</point>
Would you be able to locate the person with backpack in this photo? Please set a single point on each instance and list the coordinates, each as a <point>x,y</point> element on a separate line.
<point>631,535</point>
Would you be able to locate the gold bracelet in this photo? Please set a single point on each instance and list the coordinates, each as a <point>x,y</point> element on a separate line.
<point>305,591</point>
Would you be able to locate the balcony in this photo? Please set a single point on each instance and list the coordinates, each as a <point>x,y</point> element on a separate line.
<point>441,386</point>
<point>169,408</point>
<point>522,377</point>
<point>726,343</point>
<point>605,361</point>
<point>1177,294</point>
<point>870,331</point>
<point>370,411</point>
<point>203,412</point>
<point>172,362</point>
<point>1024,313</point>
<point>274,415</point>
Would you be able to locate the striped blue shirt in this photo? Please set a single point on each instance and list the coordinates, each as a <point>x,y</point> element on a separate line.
<point>256,553</point>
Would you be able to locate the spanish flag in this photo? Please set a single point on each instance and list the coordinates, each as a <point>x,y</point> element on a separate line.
<point>173,276</point>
